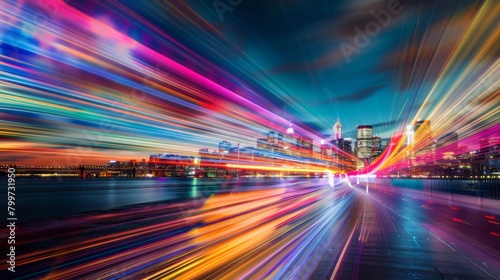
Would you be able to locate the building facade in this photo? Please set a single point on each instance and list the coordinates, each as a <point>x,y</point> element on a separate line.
<point>376,146</point>
<point>424,145</point>
<point>291,144</point>
<point>489,155</point>
<point>337,130</point>
<point>364,142</point>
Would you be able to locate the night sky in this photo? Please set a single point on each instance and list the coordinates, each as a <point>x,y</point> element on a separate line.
<point>90,81</point>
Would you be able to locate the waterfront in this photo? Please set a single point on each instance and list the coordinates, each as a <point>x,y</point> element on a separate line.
<point>39,198</point>
<point>259,227</point>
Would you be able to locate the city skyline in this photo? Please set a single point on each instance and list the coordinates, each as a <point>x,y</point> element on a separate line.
<point>85,81</point>
<point>470,145</point>
<point>449,142</point>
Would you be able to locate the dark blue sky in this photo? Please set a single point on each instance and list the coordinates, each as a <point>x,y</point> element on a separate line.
<point>292,53</point>
<point>363,62</point>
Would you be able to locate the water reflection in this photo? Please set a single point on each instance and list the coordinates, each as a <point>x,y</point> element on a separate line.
<point>194,188</point>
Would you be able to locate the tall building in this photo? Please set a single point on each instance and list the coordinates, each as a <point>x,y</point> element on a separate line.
<point>325,150</point>
<point>337,130</point>
<point>423,146</point>
<point>343,152</point>
<point>364,142</point>
<point>489,152</point>
<point>410,135</point>
<point>345,144</point>
<point>376,146</point>
<point>224,146</point>
<point>416,133</point>
<point>290,144</point>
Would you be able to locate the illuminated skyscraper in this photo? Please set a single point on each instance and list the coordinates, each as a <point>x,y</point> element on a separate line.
<point>364,142</point>
<point>345,144</point>
<point>489,153</point>
<point>410,135</point>
<point>424,145</point>
<point>337,130</point>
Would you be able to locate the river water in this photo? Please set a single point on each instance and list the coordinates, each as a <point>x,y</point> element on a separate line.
<point>39,198</point>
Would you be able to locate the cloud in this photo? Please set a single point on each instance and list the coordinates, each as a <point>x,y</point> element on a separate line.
<point>359,95</point>
<point>383,124</point>
<point>354,97</point>
<point>420,57</point>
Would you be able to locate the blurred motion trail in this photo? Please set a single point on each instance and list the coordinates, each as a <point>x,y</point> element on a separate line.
<point>281,229</point>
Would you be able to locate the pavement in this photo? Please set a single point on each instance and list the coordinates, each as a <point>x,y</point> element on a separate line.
<point>396,234</point>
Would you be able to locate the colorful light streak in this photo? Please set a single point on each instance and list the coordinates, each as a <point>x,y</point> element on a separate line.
<point>94,88</point>
<point>79,86</point>
<point>468,103</point>
<point>87,82</point>
<point>265,233</point>
<point>278,232</point>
